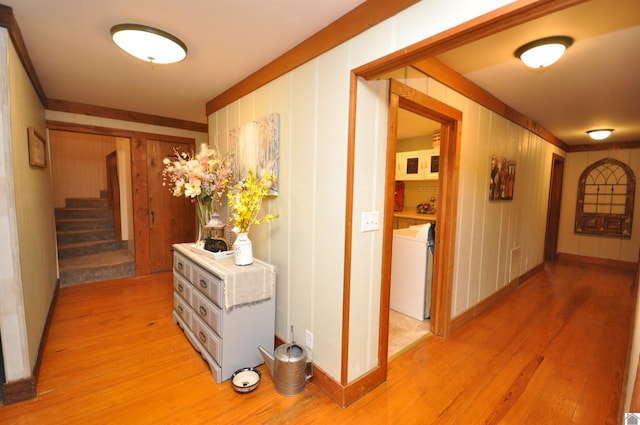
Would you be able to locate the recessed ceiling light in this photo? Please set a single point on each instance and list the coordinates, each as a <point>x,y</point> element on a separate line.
<point>543,52</point>
<point>149,44</point>
<point>600,134</point>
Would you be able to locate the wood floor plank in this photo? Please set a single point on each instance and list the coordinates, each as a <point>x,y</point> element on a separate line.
<point>553,352</point>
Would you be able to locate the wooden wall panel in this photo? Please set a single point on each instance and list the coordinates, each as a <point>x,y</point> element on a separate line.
<point>492,233</point>
<point>78,164</point>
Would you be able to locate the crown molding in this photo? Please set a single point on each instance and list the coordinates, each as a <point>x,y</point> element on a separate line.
<point>123,115</point>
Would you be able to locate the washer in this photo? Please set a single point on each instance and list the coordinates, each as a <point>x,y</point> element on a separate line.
<point>412,271</point>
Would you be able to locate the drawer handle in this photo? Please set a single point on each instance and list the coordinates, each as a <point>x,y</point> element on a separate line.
<point>180,266</point>
<point>203,311</point>
<point>180,310</point>
<point>180,288</point>
<point>203,283</point>
<point>202,336</point>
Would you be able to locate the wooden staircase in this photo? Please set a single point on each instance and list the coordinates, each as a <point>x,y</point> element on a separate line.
<point>88,250</point>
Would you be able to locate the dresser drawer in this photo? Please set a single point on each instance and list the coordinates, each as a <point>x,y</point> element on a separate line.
<point>182,266</point>
<point>208,284</point>
<point>181,307</point>
<point>182,287</point>
<point>208,338</point>
<point>207,311</point>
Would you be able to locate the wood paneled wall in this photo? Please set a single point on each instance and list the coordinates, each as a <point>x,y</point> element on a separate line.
<point>78,164</point>
<point>498,241</point>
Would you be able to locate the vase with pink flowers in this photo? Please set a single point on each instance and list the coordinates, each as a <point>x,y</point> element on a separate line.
<point>204,178</point>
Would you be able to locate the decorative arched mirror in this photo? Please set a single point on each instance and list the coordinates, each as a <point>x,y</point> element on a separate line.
<point>606,194</point>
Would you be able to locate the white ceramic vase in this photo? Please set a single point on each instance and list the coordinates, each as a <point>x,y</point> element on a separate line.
<point>243,249</point>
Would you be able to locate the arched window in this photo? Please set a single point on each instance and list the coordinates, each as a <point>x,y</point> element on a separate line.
<point>606,193</point>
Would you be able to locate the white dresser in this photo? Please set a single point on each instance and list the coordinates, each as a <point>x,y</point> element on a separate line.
<point>225,310</point>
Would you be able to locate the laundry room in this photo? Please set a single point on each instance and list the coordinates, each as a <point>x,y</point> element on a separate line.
<point>414,223</point>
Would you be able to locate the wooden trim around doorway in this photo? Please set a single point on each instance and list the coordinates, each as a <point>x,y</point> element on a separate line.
<point>503,18</point>
<point>139,173</point>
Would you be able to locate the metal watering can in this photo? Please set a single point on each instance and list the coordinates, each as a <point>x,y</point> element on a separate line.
<point>289,368</point>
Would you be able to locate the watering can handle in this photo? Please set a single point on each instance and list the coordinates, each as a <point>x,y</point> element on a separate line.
<point>309,370</point>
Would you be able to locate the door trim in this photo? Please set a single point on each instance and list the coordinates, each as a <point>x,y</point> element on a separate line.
<point>450,119</point>
<point>553,209</point>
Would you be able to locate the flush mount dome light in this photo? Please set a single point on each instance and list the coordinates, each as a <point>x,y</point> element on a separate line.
<point>149,44</point>
<point>543,52</point>
<point>600,134</point>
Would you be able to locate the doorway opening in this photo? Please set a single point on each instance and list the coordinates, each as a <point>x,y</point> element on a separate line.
<point>553,214</point>
<point>414,220</point>
<point>142,174</point>
<point>92,186</point>
<point>403,97</point>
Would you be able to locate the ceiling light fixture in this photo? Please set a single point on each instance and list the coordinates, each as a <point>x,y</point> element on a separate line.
<point>600,133</point>
<point>149,44</point>
<point>543,52</point>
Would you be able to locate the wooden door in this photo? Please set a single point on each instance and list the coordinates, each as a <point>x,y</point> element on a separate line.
<point>553,212</point>
<point>171,219</point>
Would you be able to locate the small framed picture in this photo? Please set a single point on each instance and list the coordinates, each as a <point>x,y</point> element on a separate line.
<point>37,149</point>
<point>502,178</point>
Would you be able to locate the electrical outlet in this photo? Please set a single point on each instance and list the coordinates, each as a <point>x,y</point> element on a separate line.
<point>370,221</point>
<point>308,339</point>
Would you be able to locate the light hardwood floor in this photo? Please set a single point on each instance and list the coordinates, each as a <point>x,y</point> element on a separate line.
<point>553,352</point>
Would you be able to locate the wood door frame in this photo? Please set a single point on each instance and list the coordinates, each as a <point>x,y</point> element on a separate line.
<point>161,241</point>
<point>510,15</point>
<point>404,97</point>
<point>140,201</point>
<point>450,119</point>
<point>553,209</point>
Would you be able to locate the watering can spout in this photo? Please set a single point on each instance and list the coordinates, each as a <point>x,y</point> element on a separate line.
<point>268,359</point>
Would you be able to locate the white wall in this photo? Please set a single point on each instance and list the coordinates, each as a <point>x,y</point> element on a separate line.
<point>611,248</point>
<point>634,355</point>
<point>307,242</point>
<point>26,221</point>
<point>123,149</point>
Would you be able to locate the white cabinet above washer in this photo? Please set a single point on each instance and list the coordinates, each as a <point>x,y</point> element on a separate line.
<point>418,165</point>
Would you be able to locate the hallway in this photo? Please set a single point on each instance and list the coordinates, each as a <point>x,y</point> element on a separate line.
<point>554,351</point>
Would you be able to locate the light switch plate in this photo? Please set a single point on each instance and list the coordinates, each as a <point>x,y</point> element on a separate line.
<point>308,339</point>
<point>370,221</point>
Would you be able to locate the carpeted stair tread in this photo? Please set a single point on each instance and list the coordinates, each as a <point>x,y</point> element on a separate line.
<point>83,249</point>
<point>96,267</point>
<point>86,203</point>
<point>91,243</point>
<point>97,260</point>
<point>66,237</point>
<point>84,224</point>
<point>70,213</point>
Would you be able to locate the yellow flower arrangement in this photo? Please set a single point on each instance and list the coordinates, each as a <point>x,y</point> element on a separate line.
<point>245,200</point>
